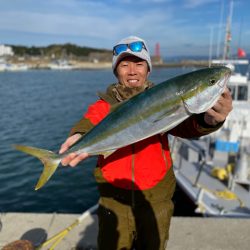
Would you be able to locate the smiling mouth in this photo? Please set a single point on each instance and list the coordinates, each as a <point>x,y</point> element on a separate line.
<point>132,81</point>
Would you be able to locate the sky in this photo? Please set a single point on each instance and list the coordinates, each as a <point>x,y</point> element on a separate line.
<point>181,27</point>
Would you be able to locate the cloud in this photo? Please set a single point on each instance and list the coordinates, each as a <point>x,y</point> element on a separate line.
<point>94,23</point>
<point>190,4</point>
<point>89,20</point>
<point>146,1</point>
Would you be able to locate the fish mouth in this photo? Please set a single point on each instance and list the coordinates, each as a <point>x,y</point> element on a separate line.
<point>223,82</point>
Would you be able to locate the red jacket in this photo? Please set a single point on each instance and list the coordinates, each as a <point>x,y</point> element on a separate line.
<point>143,164</point>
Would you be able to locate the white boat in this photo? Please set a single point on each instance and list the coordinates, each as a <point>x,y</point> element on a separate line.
<point>16,67</point>
<point>4,66</point>
<point>214,171</point>
<point>60,65</point>
<point>238,122</point>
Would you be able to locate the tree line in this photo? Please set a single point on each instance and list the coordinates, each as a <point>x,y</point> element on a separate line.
<point>56,50</point>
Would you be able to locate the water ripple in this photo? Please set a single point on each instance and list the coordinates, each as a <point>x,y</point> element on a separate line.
<point>38,108</point>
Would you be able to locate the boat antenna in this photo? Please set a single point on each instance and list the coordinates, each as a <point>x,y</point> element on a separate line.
<point>240,31</point>
<point>210,47</point>
<point>226,54</point>
<point>219,29</point>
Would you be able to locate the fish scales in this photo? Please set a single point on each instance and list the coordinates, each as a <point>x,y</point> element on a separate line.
<point>154,111</point>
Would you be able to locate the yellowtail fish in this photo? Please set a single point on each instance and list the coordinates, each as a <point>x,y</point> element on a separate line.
<point>154,111</point>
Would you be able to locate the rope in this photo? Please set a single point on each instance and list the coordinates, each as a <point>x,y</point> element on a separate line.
<point>228,195</point>
<point>222,173</point>
<point>224,194</point>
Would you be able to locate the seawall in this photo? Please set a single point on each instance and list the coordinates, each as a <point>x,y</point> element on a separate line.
<point>189,233</point>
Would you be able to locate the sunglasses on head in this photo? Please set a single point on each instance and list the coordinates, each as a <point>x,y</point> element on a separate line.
<point>134,47</point>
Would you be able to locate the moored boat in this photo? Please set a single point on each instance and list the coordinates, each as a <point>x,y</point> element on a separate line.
<point>60,65</point>
<point>214,171</point>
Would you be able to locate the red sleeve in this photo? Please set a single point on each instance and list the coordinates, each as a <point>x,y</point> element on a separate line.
<point>97,111</point>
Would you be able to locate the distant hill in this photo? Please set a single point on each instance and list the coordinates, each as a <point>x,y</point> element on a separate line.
<point>68,49</point>
<point>57,50</point>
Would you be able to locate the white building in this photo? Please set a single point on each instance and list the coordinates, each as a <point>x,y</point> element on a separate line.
<point>6,50</point>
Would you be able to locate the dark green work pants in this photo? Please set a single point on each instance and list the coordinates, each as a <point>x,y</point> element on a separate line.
<point>142,227</point>
<point>135,219</point>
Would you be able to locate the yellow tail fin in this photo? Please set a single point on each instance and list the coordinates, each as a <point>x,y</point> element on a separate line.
<point>48,158</point>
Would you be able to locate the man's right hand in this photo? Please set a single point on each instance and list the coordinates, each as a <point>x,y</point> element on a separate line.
<point>73,158</point>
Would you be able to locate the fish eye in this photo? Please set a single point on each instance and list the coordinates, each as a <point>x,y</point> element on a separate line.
<point>212,81</point>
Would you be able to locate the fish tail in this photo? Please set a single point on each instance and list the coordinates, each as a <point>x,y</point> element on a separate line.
<point>48,158</point>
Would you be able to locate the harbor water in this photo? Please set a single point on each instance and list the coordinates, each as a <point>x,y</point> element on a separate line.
<point>38,108</point>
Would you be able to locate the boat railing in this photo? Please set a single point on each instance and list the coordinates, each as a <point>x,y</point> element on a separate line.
<point>182,146</point>
<point>186,148</point>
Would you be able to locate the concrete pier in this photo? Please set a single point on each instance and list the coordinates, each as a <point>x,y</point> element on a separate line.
<point>185,233</point>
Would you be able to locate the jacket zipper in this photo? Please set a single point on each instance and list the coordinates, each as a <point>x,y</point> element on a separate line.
<point>133,176</point>
<point>133,169</point>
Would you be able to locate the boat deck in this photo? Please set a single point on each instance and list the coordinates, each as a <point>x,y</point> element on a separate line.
<point>190,233</point>
<point>206,191</point>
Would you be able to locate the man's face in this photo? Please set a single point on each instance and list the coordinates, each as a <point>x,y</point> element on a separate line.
<point>132,71</point>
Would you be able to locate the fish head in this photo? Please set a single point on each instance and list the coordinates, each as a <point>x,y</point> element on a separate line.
<point>205,86</point>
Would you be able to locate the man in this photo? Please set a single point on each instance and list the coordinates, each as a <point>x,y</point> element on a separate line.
<point>136,183</point>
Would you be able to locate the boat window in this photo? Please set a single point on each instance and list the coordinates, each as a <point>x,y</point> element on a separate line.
<point>242,93</point>
<point>232,91</point>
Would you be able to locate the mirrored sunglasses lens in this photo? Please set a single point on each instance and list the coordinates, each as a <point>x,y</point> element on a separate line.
<point>136,46</point>
<point>120,48</point>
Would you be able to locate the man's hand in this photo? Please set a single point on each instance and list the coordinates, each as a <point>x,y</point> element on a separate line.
<point>72,159</point>
<point>219,112</point>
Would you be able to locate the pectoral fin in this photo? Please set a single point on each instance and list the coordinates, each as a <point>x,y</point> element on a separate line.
<point>108,153</point>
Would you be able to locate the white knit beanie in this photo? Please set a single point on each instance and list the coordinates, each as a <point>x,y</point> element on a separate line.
<point>144,54</point>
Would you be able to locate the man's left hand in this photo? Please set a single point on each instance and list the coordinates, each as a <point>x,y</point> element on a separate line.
<point>219,112</point>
